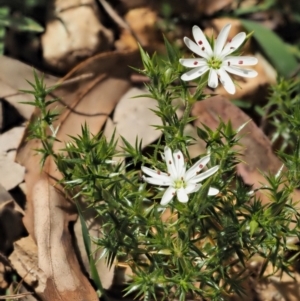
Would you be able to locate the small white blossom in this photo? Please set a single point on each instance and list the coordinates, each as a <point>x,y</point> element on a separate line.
<point>180,181</point>
<point>217,60</point>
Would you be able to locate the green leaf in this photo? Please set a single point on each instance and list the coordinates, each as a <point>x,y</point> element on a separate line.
<point>276,50</point>
<point>4,12</point>
<point>253,226</point>
<point>265,5</point>
<point>172,55</point>
<point>20,23</point>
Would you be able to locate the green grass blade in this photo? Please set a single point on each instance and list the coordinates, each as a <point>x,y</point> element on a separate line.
<point>275,49</point>
<point>87,245</point>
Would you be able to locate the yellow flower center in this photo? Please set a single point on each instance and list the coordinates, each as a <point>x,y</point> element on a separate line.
<point>214,63</point>
<point>180,183</point>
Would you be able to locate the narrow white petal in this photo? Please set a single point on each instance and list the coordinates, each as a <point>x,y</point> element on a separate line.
<point>240,61</point>
<point>204,175</point>
<point>213,191</point>
<point>155,173</point>
<point>190,188</point>
<point>221,40</point>
<point>234,44</point>
<point>213,79</point>
<point>194,73</point>
<point>182,195</point>
<point>170,163</point>
<point>155,181</point>
<point>179,163</point>
<point>195,48</point>
<point>168,195</point>
<point>226,81</point>
<point>201,40</point>
<point>193,63</point>
<point>240,71</point>
<point>196,168</point>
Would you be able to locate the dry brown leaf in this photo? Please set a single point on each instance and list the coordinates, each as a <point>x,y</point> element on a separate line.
<point>256,148</point>
<point>11,173</point>
<point>56,257</point>
<point>13,76</point>
<point>73,33</point>
<point>143,22</point>
<point>134,119</point>
<point>11,139</point>
<point>208,7</point>
<point>100,83</point>
<point>25,262</point>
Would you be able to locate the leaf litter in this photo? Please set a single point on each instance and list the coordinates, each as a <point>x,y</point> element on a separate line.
<point>47,260</point>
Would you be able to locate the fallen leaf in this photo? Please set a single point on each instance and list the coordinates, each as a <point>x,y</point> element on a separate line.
<point>13,76</point>
<point>88,95</point>
<point>25,262</point>
<point>10,140</point>
<point>11,173</point>
<point>143,23</point>
<point>56,257</point>
<point>256,149</point>
<point>209,8</point>
<point>134,118</point>
<point>73,33</point>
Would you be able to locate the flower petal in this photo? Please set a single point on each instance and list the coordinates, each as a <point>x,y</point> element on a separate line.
<point>221,40</point>
<point>155,173</point>
<point>204,175</point>
<point>234,44</point>
<point>226,81</point>
<point>190,188</point>
<point>194,73</point>
<point>241,71</point>
<point>195,48</point>
<point>179,163</point>
<point>212,79</point>
<point>182,195</point>
<point>201,40</point>
<point>155,181</point>
<point>196,168</point>
<point>213,191</point>
<point>240,61</point>
<point>193,63</point>
<point>168,196</point>
<point>170,163</point>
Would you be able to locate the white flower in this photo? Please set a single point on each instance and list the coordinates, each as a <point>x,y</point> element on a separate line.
<point>218,60</point>
<point>180,181</point>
